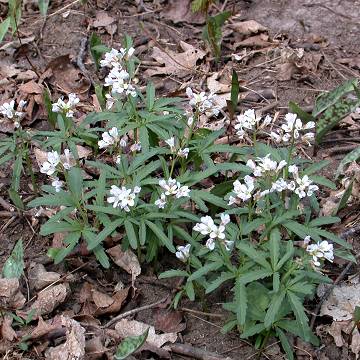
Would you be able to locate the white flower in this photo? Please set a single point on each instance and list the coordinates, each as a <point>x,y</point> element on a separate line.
<point>118,80</point>
<point>57,184</point>
<point>190,121</point>
<point>229,244</point>
<point>49,166</point>
<point>307,240</point>
<point>137,189</point>
<point>206,226</point>
<point>183,252</point>
<point>293,169</point>
<point>118,159</point>
<point>218,232</point>
<point>210,244</point>
<point>171,143</point>
<point>110,101</point>
<point>161,202</point>
<point>184,153</point>
<point>68,159</point>
<point>183,191</point>
<point>276,137</point>
<point>320,250</point>
<point>267,121</point>
<point>109,138</point>
<point>123,198</point>
<point>66,107</point>
<point>122,142</point>
<point>306,138</point>
<point>304,187</point>
<point>225,219</point>
<point>279,185</point>
<point>244,191</point>
<point>309,125</point>
<point>203,103</point>
<point>7,109</point>
<point>265,164</point>
<point>135,147</point>
<point>112,58</point>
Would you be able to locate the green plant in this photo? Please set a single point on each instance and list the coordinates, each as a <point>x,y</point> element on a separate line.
<point>130,345</point>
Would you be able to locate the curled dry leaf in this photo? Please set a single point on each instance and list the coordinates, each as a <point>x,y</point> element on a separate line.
<point>94,348</point>
<point>100,299</point>
<point>103,19</point>
<point>7,332</point>
<point>180,11</point>
<point>179,64</point>
<point>44,328</point>
<point>341,303</point>
<point>49,299</point>
<point>31,87</point>
<point>40,278</point>
<point>247,27</point>
<point>74,346</point>
<point>127,328</point>
<point>169,321</point>
<point>261,40</point>
<point>67,77</point>
<point>10,295</point>
<point>117,301</point>
<point>127,260</point>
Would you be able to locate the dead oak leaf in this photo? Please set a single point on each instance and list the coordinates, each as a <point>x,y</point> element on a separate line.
<point>117,301</point>
<point>179,64</point>
<point>127,328</point>
<point>180,11</point>
<point>7,332</point>
<point>248,27</point>
<point>100,299</point>
<point>103,19</point>
<point>31,87</point>
<point>40,278</point>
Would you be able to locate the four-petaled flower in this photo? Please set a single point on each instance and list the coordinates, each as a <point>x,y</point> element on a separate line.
<point>320,250</point>
<point>183,252</point>
<point>123,197</point>
<point>49,167</point>
<point>66,107</point>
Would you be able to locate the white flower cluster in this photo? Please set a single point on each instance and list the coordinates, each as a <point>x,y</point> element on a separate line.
<point>320,250</point>
<point>66,107</point>
<point>250,121</point>
<point>203,103</point>
<point>207,226</point>
<point>265,165</point>
<point>242,192</point>
<point>8,110</point>
<point>294,129</point>
<point>183,252</point>
<point>172,188</point>
<point>180,152</point>
<point>49,167</point>
<point>111,137</point>
<point>118,78</point>
<point>123,197</point>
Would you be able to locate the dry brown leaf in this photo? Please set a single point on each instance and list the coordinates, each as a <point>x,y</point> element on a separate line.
<point>103,19</point>
<point>94,348</point>
<point>45,327</point>
<point>217,87</point>
<point>127,260</point>
<point>169,321</point>
<point>31,87</point>
<point>286,71</point>
<point>74,346</point>
<point>248,27</point>
<point>127,328</point>
<point>355,342</point>
<point>180,11</point>
<point>40,278</point>
<point>67,77</point>
<point>340,304</point>
<point>179,64</point>
<point>10,295</point>
<point>26,75</point>
<point>100,299</point>
<point>352,62</point>
<point>49,299</point>
<point>118,299</point>
<point>261,40</point>
<point>7,332</point>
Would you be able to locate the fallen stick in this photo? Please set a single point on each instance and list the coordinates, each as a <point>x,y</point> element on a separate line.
<point>195,353</point>
<point>134,311</point>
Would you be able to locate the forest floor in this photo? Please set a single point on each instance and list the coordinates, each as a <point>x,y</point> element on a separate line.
<point>304,48</point>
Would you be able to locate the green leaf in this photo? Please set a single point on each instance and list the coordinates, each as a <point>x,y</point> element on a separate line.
<point>235,89</point>
<point>101,256</point>
<point>173,273</point>
<point>299,312</point>
<point>16,176</point>
<point>252,330</point>
<point>144,138</point>
<point>321,180</point>
<point>71,240</point>
<point>130,344</point>
<point>130,232</point>
<point>324,220</point>
<point>274,308</point>
<point>43,6</point>
<point>75,182</point>
<point>189,289</point>
<point>326,100</point>
<point>217,282</point>
<point>4,27</point>
<point>254,275</point>
<point>254,254</point>
<point>16,199</point>
<point>105,233</point>
<point>356,314</point>
<point>205,270</point>
<point>289,253</point>
<point>95,51</point>
<point>14,265</point>
<point>274,244</point>
<point>52,227</point>
<point>285,343</point>
<point>344,198</point>
<point>240,300</point>
<point>161,235</point>
<point>150,96</point>
<point>303,115</point>
<point>354,155</point>
<point>48,106</point>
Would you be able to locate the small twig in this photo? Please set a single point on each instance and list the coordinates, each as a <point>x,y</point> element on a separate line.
<point>80,60</point>
<point>343,149</point>
<point>332,65</point>
<point>195,353</point>
<point>330,289</point>
<point>134,311</point>
<point>197,312</point>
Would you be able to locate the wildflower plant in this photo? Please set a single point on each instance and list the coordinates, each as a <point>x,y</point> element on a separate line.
<point>154,178</point>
